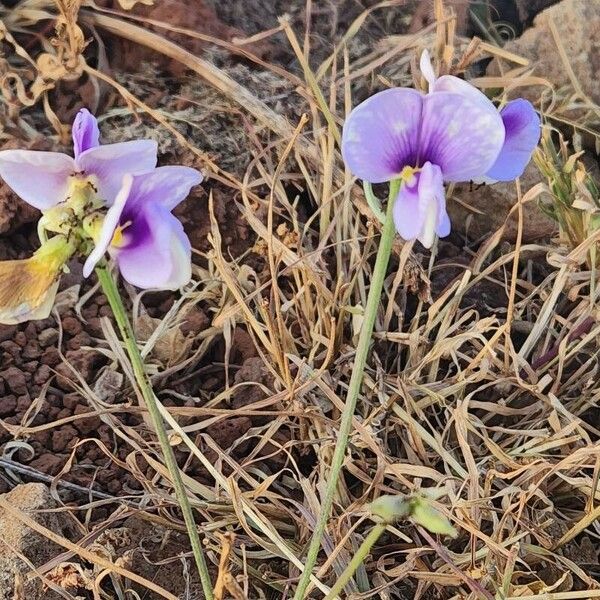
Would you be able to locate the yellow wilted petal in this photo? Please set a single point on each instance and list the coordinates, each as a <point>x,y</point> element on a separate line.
<point>28,287</point>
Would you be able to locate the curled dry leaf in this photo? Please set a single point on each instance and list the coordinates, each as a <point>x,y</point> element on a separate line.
<point>70,576</point>
<point>169,345</point>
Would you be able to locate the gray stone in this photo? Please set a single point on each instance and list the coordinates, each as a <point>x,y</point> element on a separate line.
<point>494,202</point>
<point>577,24</point>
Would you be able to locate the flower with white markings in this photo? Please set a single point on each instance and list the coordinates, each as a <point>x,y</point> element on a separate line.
<point>45,179</point>
<point>454,133</point>
<point>139,231</point>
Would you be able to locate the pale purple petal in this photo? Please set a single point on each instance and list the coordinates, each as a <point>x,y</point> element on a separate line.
<point>460,134</point>
<point>85,132</point>
<point>407,217</point>
<point>450,83</point>
<point>420,208</point>
<point>158,255</point>
<point>443,226</point>
<point>522,126</point>
<point>181,259</point>
<point>166,185</point>
<point>109,163</point>
<point>109,226</point>
<point>381,135</point>
<point>39,178</point>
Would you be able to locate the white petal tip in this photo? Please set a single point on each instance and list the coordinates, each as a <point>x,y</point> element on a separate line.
<point>427,68</point>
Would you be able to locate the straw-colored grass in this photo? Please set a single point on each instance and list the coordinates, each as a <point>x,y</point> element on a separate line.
<point>495,407</point>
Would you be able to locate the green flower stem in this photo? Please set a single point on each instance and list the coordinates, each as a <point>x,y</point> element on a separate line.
<point>360,360</point>
<point>356,561</point>
<point>111,291</point>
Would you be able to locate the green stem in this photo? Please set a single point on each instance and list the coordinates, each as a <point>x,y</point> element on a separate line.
<point>356,379</point>
<point>356,561</point>
<point>111,291</point>
<point>373,202</point>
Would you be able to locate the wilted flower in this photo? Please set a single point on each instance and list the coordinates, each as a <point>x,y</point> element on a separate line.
<point>28,287</point>
<point>140,233</point>
<point>45,179</point>
<point>454,133</point>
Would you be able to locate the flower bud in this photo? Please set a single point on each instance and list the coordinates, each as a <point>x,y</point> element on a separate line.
<point>427,516</point>
<point>391,508</point>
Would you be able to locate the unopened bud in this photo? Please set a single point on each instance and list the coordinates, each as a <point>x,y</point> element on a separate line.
<point>391,508</point>
<point>427,516</point>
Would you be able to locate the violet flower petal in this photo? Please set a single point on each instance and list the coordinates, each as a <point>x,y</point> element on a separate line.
<point>381,134</point>
<point>407,217</point>
<point>522,125</point>
<point>109,163</point>
<point>85,132</point>
<point>450,83</point>
<point>161,257</point>
<point>420,207</point>
<point>167,185</point>
<point>461,135</point>
<point>39,178</point>
<point>154,251</point>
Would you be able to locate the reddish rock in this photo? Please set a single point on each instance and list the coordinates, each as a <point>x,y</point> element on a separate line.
<point>253,371</point>
<point>20,338</point>
<point>71,401</point>
<point>42,375</point>
<point>51,357</point>
<point>81,339</point>
<point>86,426</point>
<point>83,361</point>
<point>8,405</point>
<point>48,337</point>
<point>23,403</point>
<point>48,463</point>
<point>64,438</point>
<point>15,380</point>
<point>226,432</point>
<point>195,321</point>
<point>7,332</point>
<point>71,325</point>
<point>32,350</point>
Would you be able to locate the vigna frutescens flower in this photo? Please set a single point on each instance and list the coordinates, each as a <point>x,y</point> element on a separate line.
<point>453,133</point>
<point>106,198</point>
<point>140,232</point>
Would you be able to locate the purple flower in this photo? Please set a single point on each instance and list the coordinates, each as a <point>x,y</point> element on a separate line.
<point>139,231</point>
<point>43,179</point>
<point>453,133</point>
